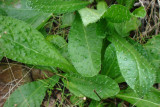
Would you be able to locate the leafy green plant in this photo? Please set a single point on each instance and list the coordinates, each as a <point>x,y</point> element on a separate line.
<point>97,56</point>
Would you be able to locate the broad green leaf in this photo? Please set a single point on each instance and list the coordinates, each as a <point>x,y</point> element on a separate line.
<point>152,99</point>
<point>117,14</point>
<point>30,94</point>
<point>110,65</point>
<point>22,12</point>
<point>22,43</point>
<point>59,43</point>
<point>136,70</point>
<point>140,12</point>
<point>125,28</point>
<point>67,19</point>
<point>57,6</point>
<point>153,49</point>
<point>93,87</point>
<point>85,48</point>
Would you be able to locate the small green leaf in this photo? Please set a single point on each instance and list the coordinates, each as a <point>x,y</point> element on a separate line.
<point>90,15</point>
<point>128,26</point>
<point>57,6</point>
<point>127,3</point>
<point>117,14</point>
<point>153,49</point>
<point>102,6</point>
<point>96,104</point>
<point>22,43</point>
<point>85,48</point>
<point>140,12</point>
<point>152,99</point>
<point>136,70</point>
<point>67,19</point>
<point>30,94</point>
<point>110,65</point>
<point>93,87</point>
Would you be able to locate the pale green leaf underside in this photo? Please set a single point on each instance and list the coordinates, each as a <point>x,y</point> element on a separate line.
<point>137,71</point>
<point>25,13</point>
<point>102,85</point>
<point>117,14</point>
<point>30,94</point>
<point>152,99</point>
<point>85,48</point>
<point>152,47</point>
<point>91,15</point>
<point>22,43</point>
<point>57,6</point>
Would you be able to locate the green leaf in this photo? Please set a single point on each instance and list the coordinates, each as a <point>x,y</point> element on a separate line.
<point>128,26</point>
<point>85,48</point>
<point>137,71</point>
<point>22,43</point>
<point>152,99</point>
<point>90,15</point>
<point>22,12</point>
<point>93,87</point>
<point>102,6</point>
<point>60,44</point>
<point>152,47</point>
<point>127,3</point>
<point>96,104</point>
<point>117,14</point>
<point>57,6</point>
<point>67,19</point>
<point>140,12</point>
<point>110,65</point>
<point>30,94</point>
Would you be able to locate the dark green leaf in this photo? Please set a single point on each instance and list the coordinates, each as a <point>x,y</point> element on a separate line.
<point>127,3</point>
<point>85,48</point>
<point>110,65</point>
<point>57,6</point>
<point>93,87</point>
<point>30,94</point>
<point>152,99</point>
<point>117,14</point>
<point>22,43</point>
<point>137,71</point>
